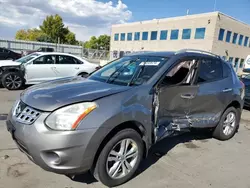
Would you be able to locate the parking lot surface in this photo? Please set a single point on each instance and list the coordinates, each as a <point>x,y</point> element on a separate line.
<point>189,160</point>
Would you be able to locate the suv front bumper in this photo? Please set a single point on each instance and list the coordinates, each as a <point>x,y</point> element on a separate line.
<point>62,152</point>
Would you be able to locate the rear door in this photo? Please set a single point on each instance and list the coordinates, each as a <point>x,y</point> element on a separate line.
<point>41,69</point>
<point>214,93</point>
<point>67,66</point>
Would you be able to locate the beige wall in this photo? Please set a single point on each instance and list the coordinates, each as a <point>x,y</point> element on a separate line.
<point>234,50</point>
<point>185,22</point>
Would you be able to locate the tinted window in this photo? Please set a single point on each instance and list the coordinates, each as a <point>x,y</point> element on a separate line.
<point>231,60</point>
<point>1,50</point>
<point>235,38</point>
<point>226,70</point>
<point>246,41</point>
<point>240,40</point>
<point>145,35</point>
<point>200,33</point>
<point>242,63</point>
<point>137,36</point>
<point>221,34</point>
<point>174,34</point>
<point>153,35</point>
<point>122,36</point>
<point>46,59</point>
<point>67,60</point>
<point>210,70</point>
<point>116,37</point>
<point>228,37</point>
<point>186,33</point>
<point>164,35</point>
<point>236,62</point>
<point>129,36</point>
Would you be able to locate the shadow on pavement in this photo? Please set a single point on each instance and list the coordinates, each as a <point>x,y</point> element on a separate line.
<point>164,146</point>
<point>156,152</point>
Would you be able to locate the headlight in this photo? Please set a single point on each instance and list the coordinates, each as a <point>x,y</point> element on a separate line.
<point>68,118</point>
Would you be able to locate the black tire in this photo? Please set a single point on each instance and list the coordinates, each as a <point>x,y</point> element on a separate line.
<point>18,84</point>
<point>100,172</point>
<point>218,132</point>
<point>83,74</point>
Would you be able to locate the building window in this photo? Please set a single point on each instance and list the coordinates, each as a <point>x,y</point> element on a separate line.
<point>240,40</point>
<point>186,33</point>
<point>228,37</point>
<point>116,37</point>
<point>242,63</point>
<point>145,35</point>
<point>235,38</point>
<point>164,35</point>
<point>137,36</point>
<point>231,60</point>
<point>246,41</point>
<point>221,34</point>
<point>129,36</point>
<point>236,62</point>
<point>200,33</point>
<point>174,34</point>
<point>153,35</point>
<point>122,37</point>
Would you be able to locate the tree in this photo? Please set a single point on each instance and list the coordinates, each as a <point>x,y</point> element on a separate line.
<point>101,43</point>
<point>30,34</point>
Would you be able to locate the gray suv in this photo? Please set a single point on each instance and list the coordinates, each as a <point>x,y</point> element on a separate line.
<point>107,122</point>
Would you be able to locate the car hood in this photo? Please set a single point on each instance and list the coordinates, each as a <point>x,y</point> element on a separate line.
<point>8,63</point>
<point>49,96</point>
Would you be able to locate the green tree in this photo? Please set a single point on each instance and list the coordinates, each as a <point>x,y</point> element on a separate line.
<point>21,34</point>
<point>30,34</point>
<point>101,43</point>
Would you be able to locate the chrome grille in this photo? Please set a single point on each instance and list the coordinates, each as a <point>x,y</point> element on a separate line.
<point>26,115</point>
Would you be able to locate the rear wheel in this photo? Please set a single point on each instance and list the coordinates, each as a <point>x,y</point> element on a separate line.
<point>228,124</point>
<point>12,81</point>
<point>119,158</point>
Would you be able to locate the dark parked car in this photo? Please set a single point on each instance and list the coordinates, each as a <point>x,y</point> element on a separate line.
<point>246,80</point>
<point>6,54</point>
<point>107,122</point>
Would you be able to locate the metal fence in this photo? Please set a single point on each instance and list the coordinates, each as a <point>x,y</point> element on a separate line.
<point>21,46</point>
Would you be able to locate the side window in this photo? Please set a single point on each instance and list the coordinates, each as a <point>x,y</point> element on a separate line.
<point>66,60</point>
<point>1,50</point>
<point>226,70</point>
<point>210,70</point>
<point>183,72</point>
<point>46,59</point>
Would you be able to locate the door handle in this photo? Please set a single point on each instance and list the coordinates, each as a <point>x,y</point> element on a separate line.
<point>227,90</point>
<point>187,96</point>
<point>77,68</point>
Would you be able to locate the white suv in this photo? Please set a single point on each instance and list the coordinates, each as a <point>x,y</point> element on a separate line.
<point>45,66</point>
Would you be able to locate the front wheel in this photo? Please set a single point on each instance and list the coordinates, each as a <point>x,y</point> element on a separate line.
<point>228,124</point>
<point>12,81</point>
<point>119,158</point>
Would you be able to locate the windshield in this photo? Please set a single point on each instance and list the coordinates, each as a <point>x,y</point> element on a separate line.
<point>246,76</point>
<point>27,58</point>
<point>129,70</point>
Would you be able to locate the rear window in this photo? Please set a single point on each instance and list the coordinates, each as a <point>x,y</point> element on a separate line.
<point>210,70</point>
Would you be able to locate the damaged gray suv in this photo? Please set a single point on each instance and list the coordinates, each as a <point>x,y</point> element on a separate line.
<point>107,122</point>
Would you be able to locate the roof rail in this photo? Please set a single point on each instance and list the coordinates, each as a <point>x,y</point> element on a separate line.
<point>198,51</point>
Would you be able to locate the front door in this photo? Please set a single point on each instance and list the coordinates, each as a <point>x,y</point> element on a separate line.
<point>41,69</point>
<point>174,97</point>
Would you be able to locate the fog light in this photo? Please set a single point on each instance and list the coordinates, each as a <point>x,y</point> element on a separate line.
<point>52,158</point>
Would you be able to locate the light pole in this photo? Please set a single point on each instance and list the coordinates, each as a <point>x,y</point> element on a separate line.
<point>215,1</point>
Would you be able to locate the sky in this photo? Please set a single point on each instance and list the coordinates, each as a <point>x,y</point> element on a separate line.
<point>94,17</point>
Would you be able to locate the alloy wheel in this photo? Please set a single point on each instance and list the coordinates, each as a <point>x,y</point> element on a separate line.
<point>13,81</point>
<point>122,158</point>
<point>229,123</point>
